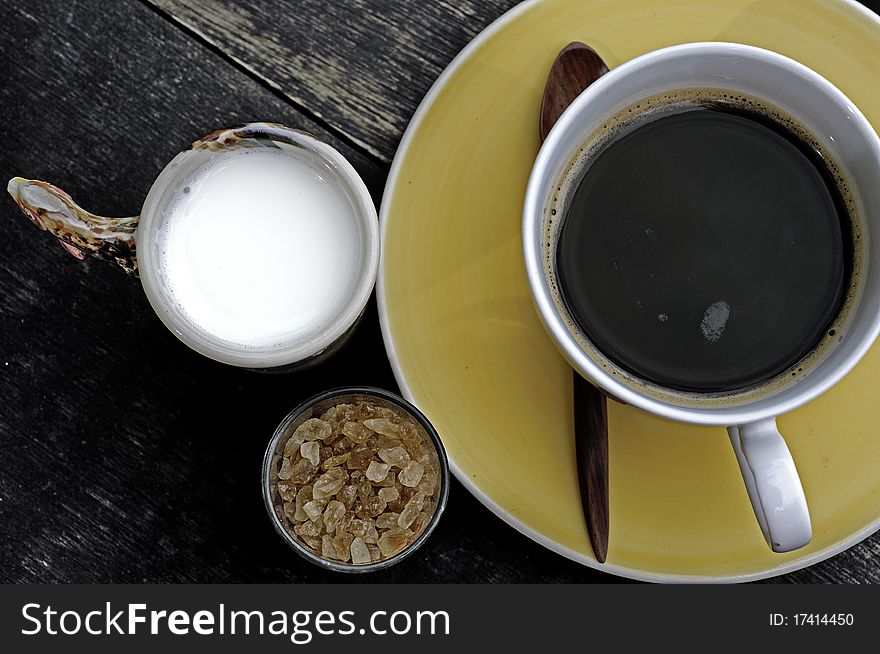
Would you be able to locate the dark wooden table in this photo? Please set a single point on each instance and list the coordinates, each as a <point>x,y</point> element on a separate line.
<point>125,457</point>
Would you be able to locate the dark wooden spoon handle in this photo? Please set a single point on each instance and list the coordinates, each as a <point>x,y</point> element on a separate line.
<point>576,67</point>
<point>591,450</point>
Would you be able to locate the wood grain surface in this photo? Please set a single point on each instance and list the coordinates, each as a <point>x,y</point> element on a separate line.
<point>361,65</point>
<point>124,457</point>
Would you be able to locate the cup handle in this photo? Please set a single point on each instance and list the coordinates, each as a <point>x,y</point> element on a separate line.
<point>79,232</point>
<point>773,484</point>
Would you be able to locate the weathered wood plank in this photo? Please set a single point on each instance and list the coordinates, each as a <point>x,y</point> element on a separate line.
<point>857,565</point>
<point>362,65</point>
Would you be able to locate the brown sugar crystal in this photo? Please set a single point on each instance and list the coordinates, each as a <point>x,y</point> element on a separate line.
<point>357,484</point>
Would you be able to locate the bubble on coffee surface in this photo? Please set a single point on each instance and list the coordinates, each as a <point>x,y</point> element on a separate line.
<point>373,490</point>
<point>261,247</point>
<point>639,114</point>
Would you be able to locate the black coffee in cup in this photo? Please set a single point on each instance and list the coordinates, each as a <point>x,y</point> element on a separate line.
<point>706,243</point>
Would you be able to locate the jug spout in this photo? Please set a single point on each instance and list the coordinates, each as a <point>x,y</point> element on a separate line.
<point>78,231</point>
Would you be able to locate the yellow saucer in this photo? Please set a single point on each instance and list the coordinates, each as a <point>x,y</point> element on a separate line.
<point>467,347</point>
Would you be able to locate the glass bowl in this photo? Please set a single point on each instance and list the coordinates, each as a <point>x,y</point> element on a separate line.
<point>314,407</point>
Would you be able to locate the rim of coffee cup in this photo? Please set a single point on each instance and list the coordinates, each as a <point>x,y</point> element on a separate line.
<point>717,413</point>
<point>299,350</point>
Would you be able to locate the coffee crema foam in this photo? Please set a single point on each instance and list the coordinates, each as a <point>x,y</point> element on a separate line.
<point>642,113</point>
<point>261,247</point>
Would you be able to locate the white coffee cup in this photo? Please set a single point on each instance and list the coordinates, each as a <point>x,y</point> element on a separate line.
<point>768,469</point>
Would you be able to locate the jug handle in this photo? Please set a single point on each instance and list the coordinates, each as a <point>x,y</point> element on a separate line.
<point>78,231</point>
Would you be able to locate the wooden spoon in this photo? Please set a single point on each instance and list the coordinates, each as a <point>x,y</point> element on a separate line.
<point>576,67</point>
